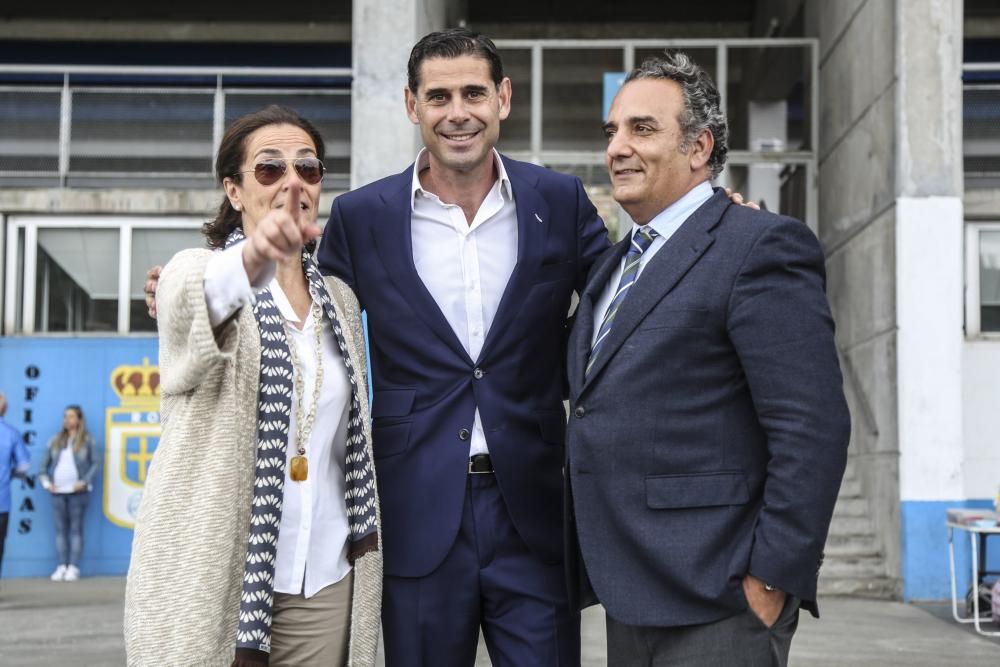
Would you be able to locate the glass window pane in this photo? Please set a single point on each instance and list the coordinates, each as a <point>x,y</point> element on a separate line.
<point>768,99</point>
<point>573,97</point>
<point>152,247</point>
<point>989,280</point>
<point>515,132</point>
<point>76,286</point>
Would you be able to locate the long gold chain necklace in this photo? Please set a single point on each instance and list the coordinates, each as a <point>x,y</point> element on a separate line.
<point>300,465</point>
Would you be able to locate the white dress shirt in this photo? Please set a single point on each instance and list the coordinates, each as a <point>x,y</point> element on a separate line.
<point>312,536</point>
<point>465,267</point>
<point>665,223</point>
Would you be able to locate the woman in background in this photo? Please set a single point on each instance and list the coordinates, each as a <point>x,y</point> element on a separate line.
<point>68,471</point>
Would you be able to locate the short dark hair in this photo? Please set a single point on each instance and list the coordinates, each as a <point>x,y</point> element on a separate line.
<point>453,43</point>
<point>703,106</point>
<point>232,152</point>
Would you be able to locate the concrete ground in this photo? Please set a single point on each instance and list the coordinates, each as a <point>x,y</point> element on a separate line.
<point>48,624</point>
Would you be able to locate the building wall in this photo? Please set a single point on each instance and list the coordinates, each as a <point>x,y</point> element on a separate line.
<point>857,223</point>
<point>892,222</point>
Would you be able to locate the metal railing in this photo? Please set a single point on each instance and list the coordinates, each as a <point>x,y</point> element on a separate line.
<point>981,124</point>
<point>728,60</point>
<point>103,126</point>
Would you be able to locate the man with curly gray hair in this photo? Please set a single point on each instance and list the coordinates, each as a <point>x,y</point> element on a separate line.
<point>709,431</point>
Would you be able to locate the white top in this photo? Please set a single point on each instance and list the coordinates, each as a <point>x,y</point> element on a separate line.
<point>65,474</point>
<point>665,223</point>
<point>312,537</point>
<point>465,267</point>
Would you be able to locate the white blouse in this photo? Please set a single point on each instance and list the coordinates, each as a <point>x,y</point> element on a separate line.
<point>312,537</point>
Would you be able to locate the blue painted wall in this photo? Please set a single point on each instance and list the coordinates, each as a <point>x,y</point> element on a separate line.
<point>925,549</point>
<point>41,376</point>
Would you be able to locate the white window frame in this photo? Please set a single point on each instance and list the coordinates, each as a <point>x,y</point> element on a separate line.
<point>32,223</point>
<point>973,326</point>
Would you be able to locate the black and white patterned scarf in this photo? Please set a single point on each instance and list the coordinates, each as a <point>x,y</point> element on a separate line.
<point>273,410</point>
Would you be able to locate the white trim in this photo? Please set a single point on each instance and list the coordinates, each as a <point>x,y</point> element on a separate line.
<point>648,43</point>
<point>124,277</point>
<point>107,221</point>
<point>124,225</point>
<point>973,323</point>
<point>28,280</point>
<point>3,267</point>
<point>142,70</point>
<point>10,280</point>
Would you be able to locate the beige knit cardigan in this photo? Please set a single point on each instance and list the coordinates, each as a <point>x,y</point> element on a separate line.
<point>182,597</point>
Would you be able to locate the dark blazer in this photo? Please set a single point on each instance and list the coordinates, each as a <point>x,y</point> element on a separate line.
<point>710,437</point>
<point>426,388</point>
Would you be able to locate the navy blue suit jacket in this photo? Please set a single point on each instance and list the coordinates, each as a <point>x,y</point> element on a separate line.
<point>710,437</point>
<point>426,388</point>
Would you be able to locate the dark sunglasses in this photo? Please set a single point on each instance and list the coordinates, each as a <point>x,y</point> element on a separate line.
<point>271,170</point>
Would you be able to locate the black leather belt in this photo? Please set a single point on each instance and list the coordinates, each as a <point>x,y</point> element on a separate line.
<point>480,463</point>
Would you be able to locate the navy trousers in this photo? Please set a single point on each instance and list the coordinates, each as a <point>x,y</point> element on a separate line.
<point>489,580</point>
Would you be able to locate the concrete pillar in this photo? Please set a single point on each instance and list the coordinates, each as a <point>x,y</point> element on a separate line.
<point>383,140</point>
<point>768,132</point>
<point>929,290</point>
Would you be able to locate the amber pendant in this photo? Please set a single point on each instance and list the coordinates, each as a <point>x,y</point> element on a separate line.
<point>300,469</point>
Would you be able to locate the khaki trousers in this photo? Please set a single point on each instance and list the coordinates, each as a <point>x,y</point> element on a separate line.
<point>312,631</point>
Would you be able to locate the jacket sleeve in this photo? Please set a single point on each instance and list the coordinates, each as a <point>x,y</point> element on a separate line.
<point>93,463</point>
<point>334,256</point>
<point>189,347</point>
<point>21,458</point>
<point>43,467</point>
<point>781,326</point>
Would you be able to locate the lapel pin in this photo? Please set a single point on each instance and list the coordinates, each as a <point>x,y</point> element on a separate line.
<point>538,218</point>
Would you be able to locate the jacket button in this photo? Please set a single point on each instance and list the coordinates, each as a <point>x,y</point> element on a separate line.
<point>478,373</point>
<point>464,434</point>
<point>579,412</point>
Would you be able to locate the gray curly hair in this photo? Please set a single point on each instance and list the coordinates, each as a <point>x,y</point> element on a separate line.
<point>701,101</point>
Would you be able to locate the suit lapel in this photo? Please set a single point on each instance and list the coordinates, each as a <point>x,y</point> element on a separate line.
<point>532,231</point>
<point>395,247</point>
<point>661,274</point>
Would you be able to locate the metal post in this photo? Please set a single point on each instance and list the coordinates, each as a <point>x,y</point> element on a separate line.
<point>124,277</point>
<point>536,103</point>
<point>30,269</point>
<point>65,120</point>
<point>218,118</point>
<point>812,173</point>
<point>3,271</point>
<point>44,311</point>
<point>10,285</point>
<point>721,81</point>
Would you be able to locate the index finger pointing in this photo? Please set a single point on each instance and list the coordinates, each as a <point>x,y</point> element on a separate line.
<point>293,201</point>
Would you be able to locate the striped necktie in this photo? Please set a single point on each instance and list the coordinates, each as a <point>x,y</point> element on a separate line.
<point>641,241</point>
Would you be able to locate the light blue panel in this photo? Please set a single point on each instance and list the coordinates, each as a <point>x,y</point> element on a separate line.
<point>612,82</point>
<point>41,376</point>
<point>925,549</point>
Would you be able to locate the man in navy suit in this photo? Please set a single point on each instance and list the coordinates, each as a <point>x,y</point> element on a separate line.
<point>708,430</point>
<point>465,264</point>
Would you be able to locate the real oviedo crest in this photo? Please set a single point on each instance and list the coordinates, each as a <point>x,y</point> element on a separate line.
<point>132,432</point>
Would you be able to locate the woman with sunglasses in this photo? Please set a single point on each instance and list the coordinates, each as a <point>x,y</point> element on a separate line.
<point>257,539</point>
